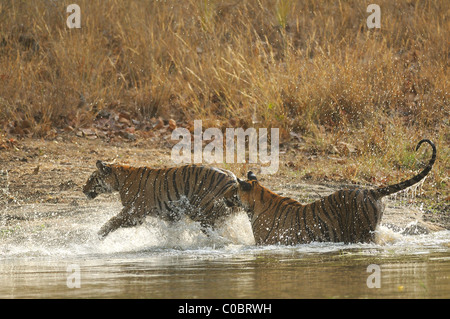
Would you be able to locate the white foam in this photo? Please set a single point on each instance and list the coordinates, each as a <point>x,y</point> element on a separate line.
<point>76,236</point>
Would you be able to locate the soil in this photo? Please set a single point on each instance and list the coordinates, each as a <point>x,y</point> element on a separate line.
<point>52,173</point>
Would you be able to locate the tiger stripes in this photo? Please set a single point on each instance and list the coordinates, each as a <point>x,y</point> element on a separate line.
<point>348,216</point>
<point>204,194</point>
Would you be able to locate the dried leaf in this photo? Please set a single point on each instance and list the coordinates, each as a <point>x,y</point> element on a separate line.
<point>172,124</point>
<point>159,124</point>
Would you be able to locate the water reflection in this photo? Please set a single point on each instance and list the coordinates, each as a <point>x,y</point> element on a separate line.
<point>250,274</point>
<point>161,261</point>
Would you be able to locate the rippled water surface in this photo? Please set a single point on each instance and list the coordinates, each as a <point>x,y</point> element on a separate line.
<point>57,255</point>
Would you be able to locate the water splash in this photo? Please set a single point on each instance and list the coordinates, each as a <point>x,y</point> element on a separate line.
<point>66,232</point>
<point>4,189</point>
<point>408,194</point>
<point>57,231</point>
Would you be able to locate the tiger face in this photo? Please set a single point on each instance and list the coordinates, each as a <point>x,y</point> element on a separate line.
<point>101,181</point>
<point>247,191</point>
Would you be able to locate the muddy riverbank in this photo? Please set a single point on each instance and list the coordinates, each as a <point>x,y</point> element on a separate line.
<point>53,172</point>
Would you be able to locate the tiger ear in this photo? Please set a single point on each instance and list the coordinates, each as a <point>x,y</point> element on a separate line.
<point>251,176</point>
<point>244,185</point>
<point>103,168</point>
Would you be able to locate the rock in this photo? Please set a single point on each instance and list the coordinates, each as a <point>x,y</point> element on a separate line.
<point>419,227</point>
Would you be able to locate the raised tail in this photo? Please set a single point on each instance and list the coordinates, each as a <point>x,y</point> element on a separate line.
<point>388,190</point>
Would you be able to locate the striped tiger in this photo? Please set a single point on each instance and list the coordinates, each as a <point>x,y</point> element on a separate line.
<point>347,216</point>
<point>203,193</point>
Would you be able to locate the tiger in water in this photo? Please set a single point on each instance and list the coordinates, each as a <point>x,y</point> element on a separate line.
<point>348,216</point>
<point>204,194</point>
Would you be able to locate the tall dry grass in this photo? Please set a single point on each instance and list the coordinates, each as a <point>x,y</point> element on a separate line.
<point>309,67</point>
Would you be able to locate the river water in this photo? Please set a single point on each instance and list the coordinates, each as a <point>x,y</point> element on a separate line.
<point>53,252</point>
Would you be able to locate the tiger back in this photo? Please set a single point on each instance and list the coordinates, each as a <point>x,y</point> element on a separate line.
<point>347,216</point>
<point>204,194</point>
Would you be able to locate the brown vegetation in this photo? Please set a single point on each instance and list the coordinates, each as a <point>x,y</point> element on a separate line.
<point>357,97</point>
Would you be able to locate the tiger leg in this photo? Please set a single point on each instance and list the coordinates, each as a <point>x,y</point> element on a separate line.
<point>220,211</point>
<point>206,227</point>
<point>126,218</point>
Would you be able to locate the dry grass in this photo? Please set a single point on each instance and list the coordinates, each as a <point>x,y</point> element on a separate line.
<point>308,67</point>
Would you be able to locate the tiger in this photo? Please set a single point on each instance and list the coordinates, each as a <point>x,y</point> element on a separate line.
<point>348,216</point>
<point>202,193</point>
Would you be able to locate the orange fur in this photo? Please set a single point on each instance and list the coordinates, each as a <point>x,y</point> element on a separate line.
<point>348,216</point>
<point>202,193</point>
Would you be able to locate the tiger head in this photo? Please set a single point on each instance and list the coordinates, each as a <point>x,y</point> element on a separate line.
<point>101,181</point>
<point>247,191</point>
